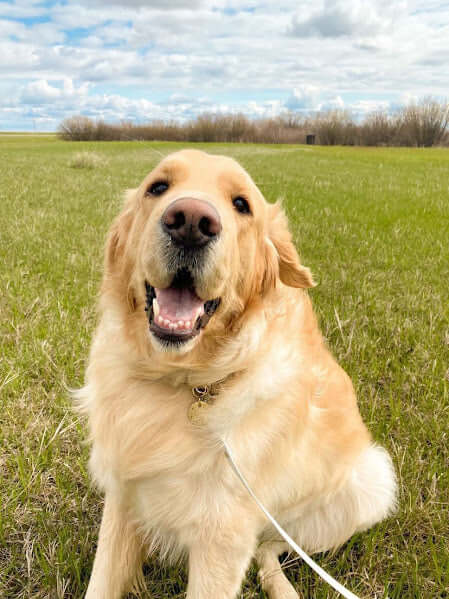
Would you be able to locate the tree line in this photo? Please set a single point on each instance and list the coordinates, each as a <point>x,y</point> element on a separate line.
<point>421,124</point>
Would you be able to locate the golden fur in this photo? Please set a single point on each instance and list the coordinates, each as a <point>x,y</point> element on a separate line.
<point>286,407</point>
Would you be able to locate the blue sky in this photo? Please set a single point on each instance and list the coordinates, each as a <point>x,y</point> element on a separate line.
<point>174,59</point>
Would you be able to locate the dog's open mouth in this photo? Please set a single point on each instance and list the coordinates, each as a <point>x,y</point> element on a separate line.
<point>176,314</point>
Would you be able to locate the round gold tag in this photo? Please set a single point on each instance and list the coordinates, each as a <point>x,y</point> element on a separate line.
<point>197,412</point>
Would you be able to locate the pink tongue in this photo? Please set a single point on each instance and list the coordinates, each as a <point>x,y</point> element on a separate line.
<point>178,304</point>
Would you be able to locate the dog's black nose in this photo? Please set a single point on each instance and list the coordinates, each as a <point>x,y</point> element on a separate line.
<point>191,222</point>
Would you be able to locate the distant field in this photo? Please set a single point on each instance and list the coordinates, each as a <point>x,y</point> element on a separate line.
<point>373,225</point>
<point>27,134</point>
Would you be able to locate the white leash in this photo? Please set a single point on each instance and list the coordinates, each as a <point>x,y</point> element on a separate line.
<point>324,575</point>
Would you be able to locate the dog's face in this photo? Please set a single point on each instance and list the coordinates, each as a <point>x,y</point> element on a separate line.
<point>198,244</point>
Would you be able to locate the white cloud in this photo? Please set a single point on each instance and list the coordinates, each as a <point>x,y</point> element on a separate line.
<point>12,28</point>
<point>42,92</point>
<point>17,59</point>
<point>333,103</point>
<point>22,8</point>
<point>159,4</point>
<point>338,18</point>
<point>39,92</point>
<point>304,97</point>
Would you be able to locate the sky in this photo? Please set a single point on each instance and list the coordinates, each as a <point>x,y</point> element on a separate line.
<point>174,59</point>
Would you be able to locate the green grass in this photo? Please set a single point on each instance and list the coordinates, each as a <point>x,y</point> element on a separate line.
<point>373,224</point>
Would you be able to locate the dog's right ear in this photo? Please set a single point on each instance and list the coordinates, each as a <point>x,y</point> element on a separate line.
<point>290,270</point>
<point>118,235</point>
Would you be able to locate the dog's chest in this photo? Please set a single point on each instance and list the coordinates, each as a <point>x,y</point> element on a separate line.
<point>175,501</point>
<point>175,472</point>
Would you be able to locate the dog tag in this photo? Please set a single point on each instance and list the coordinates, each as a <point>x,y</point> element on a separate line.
<point>198,412</point>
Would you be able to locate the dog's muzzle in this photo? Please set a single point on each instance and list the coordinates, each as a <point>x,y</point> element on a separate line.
<point>176,314</point>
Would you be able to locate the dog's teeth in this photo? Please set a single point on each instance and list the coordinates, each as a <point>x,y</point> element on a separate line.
<point>181,324</point>
<point>172,326</point>
<point>155,308</point>
<point>166,322</point>
<point>160,320</point>
<point>188,324</point>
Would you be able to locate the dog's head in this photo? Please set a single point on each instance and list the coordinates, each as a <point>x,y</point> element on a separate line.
<point>196,246</point>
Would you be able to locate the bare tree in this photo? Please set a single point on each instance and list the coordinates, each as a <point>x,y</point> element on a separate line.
<point>77,128</point>
<point>336,127</point>
<point>424,124</point>
<point>378,129</point>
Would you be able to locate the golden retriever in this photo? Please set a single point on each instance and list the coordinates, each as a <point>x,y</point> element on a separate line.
<point>204,294</point>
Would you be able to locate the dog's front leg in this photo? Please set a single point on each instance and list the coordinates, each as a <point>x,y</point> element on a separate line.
<point>218,564</point>
<point>119,553</point>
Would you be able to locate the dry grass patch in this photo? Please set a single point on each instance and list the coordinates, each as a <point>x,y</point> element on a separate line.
<point>87,160</point>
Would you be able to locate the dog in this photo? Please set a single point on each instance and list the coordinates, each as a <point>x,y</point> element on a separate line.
<point>206,333</point>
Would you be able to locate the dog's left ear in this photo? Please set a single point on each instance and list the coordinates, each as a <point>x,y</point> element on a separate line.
<point>291,271</point>
<point>117,268</point>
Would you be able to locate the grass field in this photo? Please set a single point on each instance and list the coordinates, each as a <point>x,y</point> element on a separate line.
<point>373,224</point>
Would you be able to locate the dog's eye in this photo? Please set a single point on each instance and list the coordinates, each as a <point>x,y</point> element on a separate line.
<point>157,188</point>
<point>241,205</point>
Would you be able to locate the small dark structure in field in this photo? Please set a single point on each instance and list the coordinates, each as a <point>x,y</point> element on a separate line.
<point>310,139</point>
